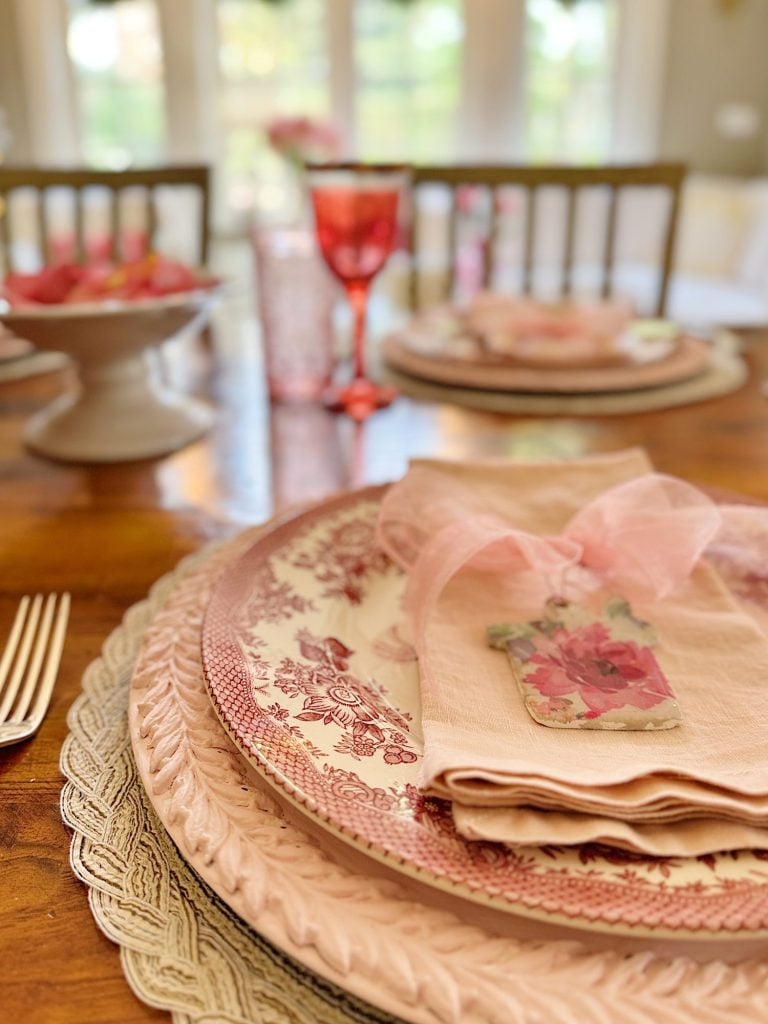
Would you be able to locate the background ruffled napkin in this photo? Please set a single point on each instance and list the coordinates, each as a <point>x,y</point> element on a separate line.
<point>562,334</point>
<point>694,789</point>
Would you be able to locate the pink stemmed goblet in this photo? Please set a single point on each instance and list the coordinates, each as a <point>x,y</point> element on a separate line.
<point>356,207</point>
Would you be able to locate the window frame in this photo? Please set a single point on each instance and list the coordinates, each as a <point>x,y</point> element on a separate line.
<point>492,67</point>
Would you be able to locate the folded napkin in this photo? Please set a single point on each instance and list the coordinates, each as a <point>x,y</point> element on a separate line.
<point>527,826</point>
<point>548,332</point>
<point>490,543</point>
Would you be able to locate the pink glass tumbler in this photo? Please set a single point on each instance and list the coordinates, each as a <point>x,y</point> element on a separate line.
<point>295,298</point>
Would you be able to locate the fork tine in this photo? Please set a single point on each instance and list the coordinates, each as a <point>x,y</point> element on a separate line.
<point>43,696</point>
<point>13,639</point>
<point>24,698</point>
<point>12,687</point>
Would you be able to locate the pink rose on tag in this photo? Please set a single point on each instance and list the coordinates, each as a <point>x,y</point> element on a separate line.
<point>303,139</point>
<point>607,673</point>
<point>573,668</point>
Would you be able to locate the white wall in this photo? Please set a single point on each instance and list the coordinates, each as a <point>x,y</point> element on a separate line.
<point>717,55</point>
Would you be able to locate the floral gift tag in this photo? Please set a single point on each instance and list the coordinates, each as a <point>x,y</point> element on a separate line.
<point>579,671</point>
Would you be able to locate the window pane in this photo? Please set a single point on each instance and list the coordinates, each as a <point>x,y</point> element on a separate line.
<point>408,64</point>
<point>569,49</point>
<point>117,59</point>
<point>274,63</point>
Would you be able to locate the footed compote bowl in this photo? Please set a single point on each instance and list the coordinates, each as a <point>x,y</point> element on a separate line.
<point>118,408</point>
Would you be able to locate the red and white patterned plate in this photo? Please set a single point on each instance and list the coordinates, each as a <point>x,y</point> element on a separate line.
<point>309,668</point>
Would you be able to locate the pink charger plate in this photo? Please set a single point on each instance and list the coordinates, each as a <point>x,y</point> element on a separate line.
<point>308,666</point>
<point>409,949</point>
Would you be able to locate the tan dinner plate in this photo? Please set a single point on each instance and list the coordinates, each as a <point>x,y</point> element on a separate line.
<point>688,359</point>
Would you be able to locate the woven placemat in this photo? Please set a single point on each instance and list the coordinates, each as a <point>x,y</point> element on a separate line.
<point>181,948</point>
<point>727,372</point>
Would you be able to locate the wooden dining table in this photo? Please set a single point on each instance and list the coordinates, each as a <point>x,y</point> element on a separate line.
<point>106,533</point>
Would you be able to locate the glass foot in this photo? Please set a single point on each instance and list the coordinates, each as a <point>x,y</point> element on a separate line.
<point>360,398</point>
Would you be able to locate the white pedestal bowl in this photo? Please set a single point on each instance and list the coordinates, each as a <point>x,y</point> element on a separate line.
<point>118,409</point>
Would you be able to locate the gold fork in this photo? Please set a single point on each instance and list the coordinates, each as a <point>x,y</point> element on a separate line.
<point>29,665</point>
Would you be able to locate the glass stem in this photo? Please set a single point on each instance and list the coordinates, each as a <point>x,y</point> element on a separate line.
<point>357,293</point>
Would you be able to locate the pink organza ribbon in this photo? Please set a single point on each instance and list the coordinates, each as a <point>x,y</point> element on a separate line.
<point>642,537</point>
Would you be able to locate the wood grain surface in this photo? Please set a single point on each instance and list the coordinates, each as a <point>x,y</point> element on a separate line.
<point>107,533</point>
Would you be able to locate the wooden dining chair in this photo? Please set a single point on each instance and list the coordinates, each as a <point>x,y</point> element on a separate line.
<point>464,184</point>
<point>87,189</point>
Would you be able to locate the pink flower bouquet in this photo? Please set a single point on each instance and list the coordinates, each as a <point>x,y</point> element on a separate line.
<point>304,139</point>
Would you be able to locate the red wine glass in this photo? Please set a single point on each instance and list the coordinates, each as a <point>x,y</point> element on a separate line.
<point>356,208</point>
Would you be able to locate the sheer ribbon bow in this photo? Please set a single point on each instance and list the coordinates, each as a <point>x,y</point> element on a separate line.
<point>642,537</point>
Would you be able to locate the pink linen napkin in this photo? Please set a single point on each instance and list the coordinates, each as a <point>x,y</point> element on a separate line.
<point>529,826</point>
<point>545,331</point>
<point>481,747</point>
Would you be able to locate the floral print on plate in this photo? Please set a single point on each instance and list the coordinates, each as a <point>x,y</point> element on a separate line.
<point>576,670</point>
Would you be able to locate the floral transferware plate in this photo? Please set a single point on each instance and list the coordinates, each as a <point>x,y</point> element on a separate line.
<point>310,671</point>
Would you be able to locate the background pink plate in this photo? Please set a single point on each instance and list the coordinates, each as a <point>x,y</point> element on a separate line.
<point>690,357</point>
<point>309,668</point>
